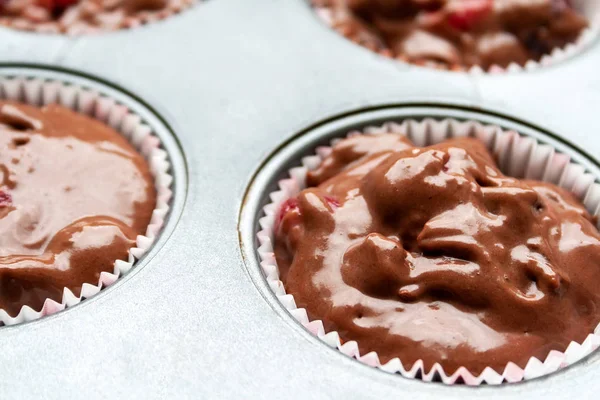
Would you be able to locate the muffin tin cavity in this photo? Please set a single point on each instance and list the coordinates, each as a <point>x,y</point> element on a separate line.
<point>444,55</point>
<point>143,128</point>
<point>521,149</point>
<point>79,17</point>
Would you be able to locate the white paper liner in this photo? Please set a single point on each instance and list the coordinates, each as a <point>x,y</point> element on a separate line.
<point>71,22</point>
<point>519,156</point>
<point>589,8</point>
<point>40,92</point>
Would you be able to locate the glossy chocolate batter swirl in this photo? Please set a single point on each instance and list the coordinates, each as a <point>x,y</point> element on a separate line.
<point>458,34</point>
<point>74,194</point>
<point>432,253</point>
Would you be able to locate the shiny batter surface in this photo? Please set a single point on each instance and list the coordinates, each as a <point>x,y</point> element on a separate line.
<point>432,253</point>
<point>458,34</point>
<point>74,194</point>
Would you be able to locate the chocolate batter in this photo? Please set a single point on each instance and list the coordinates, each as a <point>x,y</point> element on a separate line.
<point>74,194</point>
<point>84,16</point>
<point>458,34</point>
<point>432,253</point>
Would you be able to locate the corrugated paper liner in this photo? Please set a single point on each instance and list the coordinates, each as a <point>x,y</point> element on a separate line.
<point>39,92</point>
<point>589,8</point>
<point>74,24</point>
<point>518,156</point>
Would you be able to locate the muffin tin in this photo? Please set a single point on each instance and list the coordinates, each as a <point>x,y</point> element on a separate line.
<point>236,84</point>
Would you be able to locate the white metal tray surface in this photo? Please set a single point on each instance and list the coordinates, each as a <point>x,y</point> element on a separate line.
<point>231,86</point>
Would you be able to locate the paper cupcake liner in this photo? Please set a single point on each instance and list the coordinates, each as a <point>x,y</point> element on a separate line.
<point>519,156</point>
<point>590,9</point>
<point>39,92</point>
<point>71,24</point>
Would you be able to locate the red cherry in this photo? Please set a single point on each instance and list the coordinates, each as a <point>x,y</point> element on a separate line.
<point>56,5</point>
<point>5,199</point>
<point>332,202</point>
<point>290,204</point>
<point>47,4</point>
<point>64,3</point>
<point>465,13</point>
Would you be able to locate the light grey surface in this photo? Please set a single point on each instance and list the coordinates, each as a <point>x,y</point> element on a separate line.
<point>236,78</point>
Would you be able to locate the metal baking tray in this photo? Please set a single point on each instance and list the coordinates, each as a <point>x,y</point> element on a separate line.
<point>232,82</point>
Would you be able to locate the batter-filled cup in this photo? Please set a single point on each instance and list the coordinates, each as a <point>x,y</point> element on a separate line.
<point>84,180</point>
<point>373,267</point>
<point>77,17</point>
<point>476,35</point>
